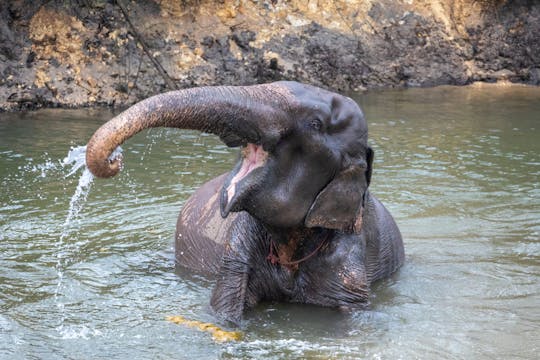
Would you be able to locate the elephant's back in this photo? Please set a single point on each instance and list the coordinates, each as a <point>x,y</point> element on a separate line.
<point>201,232</point>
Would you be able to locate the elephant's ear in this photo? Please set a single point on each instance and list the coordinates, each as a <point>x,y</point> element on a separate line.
<point>339,205</point>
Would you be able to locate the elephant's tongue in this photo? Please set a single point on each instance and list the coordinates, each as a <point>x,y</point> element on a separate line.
<point>253,157</point>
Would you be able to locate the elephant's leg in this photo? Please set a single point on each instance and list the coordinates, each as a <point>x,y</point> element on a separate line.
<point>229,295</point>
<point>233,292</point>
<point>338,279</point>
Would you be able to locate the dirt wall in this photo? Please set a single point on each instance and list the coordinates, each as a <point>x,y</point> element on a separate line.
<point>97,52</point>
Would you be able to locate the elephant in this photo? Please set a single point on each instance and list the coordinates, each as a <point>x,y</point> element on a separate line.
<point>294,219</point>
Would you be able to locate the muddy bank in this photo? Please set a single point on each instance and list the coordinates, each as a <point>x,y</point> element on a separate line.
<point>98,52</point>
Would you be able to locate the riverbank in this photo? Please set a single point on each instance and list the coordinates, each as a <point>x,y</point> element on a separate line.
<point>116,53</point>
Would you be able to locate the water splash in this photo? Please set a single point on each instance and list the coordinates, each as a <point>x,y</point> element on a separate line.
<point>74,161</point>
<point>76,158</point>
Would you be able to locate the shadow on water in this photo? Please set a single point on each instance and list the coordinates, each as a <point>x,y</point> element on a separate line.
<point>459,169</point>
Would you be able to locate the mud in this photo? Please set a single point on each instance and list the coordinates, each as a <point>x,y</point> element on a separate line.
<point>98,52</point>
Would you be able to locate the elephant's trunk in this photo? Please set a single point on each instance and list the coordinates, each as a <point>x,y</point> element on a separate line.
<point>236,114</point>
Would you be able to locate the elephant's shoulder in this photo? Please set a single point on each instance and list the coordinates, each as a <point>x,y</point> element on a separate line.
<point>201,215</point>
<point>201,232</point>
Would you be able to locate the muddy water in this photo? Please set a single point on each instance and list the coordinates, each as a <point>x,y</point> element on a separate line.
<point>458,167</point>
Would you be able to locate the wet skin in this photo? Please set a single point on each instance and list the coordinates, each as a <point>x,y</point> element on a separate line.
<point>298,192</point>
<point>338,274</point>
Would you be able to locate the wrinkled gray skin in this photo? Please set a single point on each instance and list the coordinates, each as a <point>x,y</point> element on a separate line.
<point>300,188</point>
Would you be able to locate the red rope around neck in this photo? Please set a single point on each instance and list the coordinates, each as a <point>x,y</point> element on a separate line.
<point>274,259</point>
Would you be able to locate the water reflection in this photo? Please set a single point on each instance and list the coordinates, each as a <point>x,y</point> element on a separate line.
<point>458,167</point>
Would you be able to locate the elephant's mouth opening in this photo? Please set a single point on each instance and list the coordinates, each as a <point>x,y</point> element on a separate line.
<point>253,157</point>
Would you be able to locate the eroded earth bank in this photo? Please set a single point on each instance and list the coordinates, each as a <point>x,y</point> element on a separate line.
<point>97,52</point>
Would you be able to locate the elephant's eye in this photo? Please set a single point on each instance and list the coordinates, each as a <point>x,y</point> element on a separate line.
<point>316,124</point>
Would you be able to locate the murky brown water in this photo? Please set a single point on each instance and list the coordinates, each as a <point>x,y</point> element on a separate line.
<point>459,168</point>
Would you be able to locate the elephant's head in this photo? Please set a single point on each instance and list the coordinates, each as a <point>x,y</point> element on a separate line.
<point>304,159</point>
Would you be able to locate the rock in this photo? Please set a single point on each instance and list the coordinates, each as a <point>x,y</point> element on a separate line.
<point>29,99</point>
<point>503,75</point>
<point>243,38</point>
<point>534,76</point>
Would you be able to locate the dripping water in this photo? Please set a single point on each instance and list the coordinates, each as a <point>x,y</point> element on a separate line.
<point>76,158</point>
<point>74,162</point>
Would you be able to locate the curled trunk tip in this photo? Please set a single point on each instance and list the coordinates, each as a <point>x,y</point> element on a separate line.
<point>102,162</point>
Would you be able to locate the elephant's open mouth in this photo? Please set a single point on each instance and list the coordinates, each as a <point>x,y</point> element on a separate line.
<point>253,157</point>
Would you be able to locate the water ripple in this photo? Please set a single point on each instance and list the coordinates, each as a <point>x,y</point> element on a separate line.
<point>458,168</point>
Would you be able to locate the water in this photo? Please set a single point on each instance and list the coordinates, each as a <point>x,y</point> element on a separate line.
<point>459,168</point>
